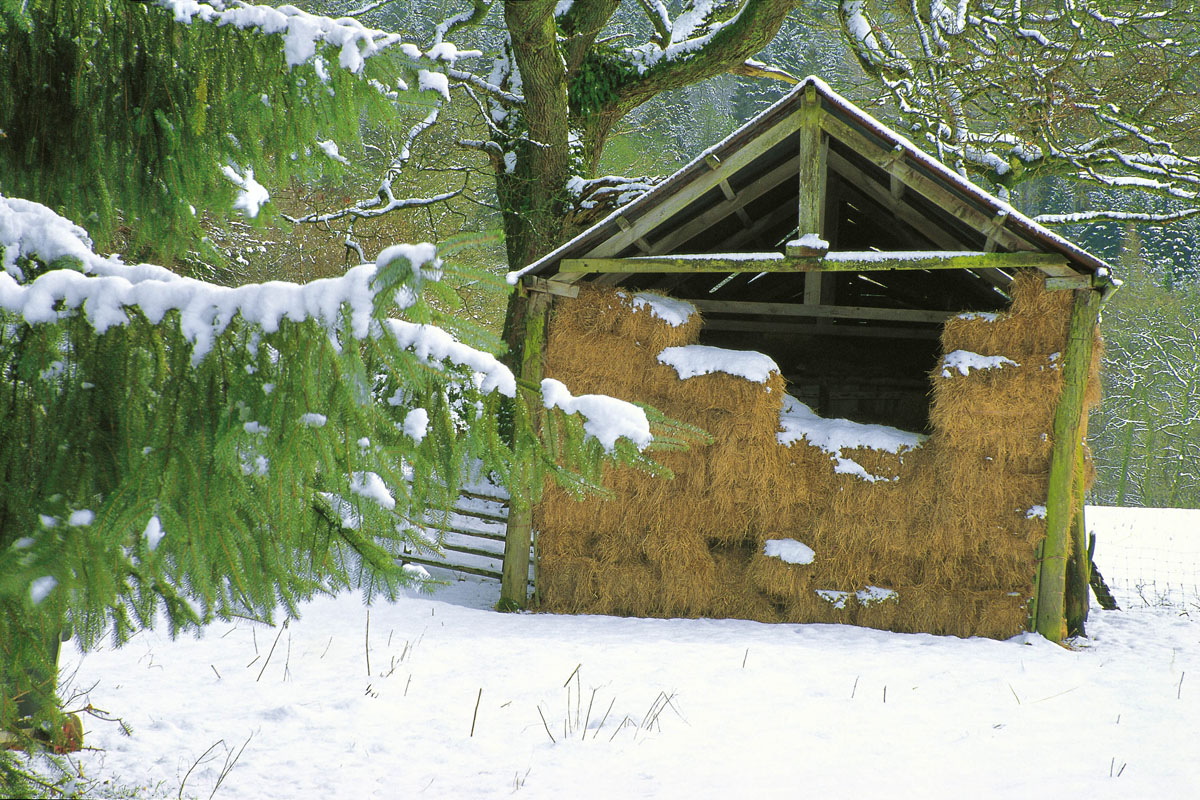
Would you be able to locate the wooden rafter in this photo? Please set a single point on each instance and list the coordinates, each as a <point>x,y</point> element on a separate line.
<point>672,205</point>
<point>943,197</point>
<point>738,202</point>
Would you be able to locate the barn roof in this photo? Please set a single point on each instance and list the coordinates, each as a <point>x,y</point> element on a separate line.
<point>815,163</point>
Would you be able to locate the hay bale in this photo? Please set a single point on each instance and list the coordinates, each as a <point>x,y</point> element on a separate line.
<point>637,318</point>
<point>776,578</point>
<point>949,524</point>
<point>734,594</point>
<point>1006,411</point>
<point>1035,325</point>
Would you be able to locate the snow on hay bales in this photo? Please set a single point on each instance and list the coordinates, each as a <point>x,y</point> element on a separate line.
<point>949,523</point>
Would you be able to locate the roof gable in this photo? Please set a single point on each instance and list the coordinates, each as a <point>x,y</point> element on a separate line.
<point>815,163</point>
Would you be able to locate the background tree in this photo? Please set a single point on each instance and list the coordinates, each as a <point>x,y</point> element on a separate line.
<point>1146,433</point>
<point>1006,91</point>
<point>175,446</point>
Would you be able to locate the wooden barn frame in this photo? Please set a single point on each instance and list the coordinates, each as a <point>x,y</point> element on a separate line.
<point>815,223</point>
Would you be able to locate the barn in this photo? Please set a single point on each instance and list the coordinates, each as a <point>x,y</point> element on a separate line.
<point>894,366</point>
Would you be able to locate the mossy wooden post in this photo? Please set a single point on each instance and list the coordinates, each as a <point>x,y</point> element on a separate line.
<point>1079,563</point>
<point>1051,589</point>
<point>812,167</point>
<point>528,344</point>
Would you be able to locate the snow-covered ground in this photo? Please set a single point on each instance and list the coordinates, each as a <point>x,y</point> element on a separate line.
<point>439,697</point>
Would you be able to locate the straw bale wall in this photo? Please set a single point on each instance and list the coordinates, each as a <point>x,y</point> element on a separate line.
<point>949,528</point>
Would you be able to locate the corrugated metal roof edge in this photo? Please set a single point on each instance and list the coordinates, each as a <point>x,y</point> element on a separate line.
<point>786,105</point>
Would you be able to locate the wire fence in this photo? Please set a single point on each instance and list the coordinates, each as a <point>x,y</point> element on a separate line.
<point>1150,558</point>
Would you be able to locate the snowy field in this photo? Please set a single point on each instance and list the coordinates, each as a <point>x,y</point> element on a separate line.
<point>439,697</point>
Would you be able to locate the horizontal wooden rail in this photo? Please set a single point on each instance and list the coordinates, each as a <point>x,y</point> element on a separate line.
<point>821,311</point>
<point>835,261</point>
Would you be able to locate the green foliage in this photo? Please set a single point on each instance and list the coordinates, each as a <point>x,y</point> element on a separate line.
<point>113,437</point>
<point>595,85</point>
<point>125,117</point>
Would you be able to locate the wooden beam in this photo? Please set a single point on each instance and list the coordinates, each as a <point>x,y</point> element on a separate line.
<point>627,226</point>
<point>673,204</point>
<point>558,288</point>
<point>812,329</point>
<point>929,188</point>
<point>764,224</point>
<point>712,216</point>
<point>872,260</point>
<point>1074,282</point>
<point>993,231</point>
<point>1050,620</point>
<point>920,224</point>
<point>864,183</point>
<point>821,311</point>
<point>811,176</point>
<point>1079,561</point>
<point>841,261</point>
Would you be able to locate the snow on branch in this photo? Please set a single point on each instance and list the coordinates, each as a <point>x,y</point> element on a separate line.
<point>690,32</point>
<point>1006,91</point>
<point>1114,216</point>
<point>368,210</point>
<point>605,419</point>
<point>660,18</point>
<point>432,345</point>
<point>871,45</point>
<point>596,197</point>
<point>757,69</point>
<point>611,190</point>
<point>302,32</point>
<point>490,89</point>
<point>106,289</point>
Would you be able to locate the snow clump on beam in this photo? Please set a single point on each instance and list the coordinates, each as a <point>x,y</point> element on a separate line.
<point>303,32</point>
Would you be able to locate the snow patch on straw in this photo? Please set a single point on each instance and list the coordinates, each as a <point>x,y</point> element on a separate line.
<point>963,361</point>
<point>668,309</point>
<point>693,360</point>
<point>789,551</point>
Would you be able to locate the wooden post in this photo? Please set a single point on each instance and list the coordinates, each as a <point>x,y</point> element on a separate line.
<point>1051,581</point>
<point>812,167</point>
<point>529,320</point>
<point>1079,572</point>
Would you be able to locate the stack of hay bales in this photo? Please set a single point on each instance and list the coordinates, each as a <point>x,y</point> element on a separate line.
<point>661,547</point>
<point>789,517</point>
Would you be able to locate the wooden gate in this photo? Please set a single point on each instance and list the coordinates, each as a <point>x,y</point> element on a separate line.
<point>470,535</point>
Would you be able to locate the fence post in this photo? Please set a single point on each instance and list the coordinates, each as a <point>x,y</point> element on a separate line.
<point>1051,582</point>
<point>530,317</point>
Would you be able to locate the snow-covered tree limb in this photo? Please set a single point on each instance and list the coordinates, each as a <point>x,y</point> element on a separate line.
<point>302,32</point>
<point>757,69</point>
<point>376,210</point>
<point>1096,91</point>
